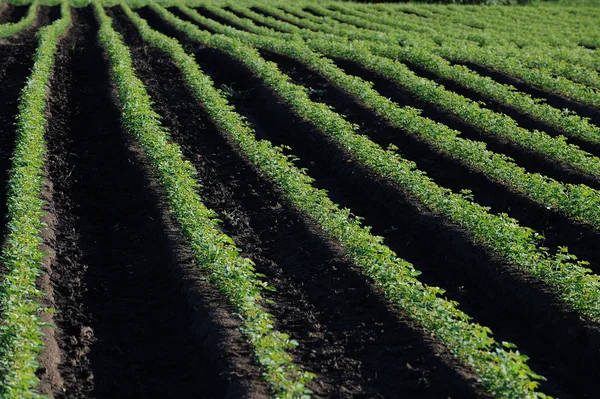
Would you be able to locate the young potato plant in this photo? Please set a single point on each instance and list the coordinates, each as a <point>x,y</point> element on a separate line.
<point>579,202</point>
<point>490,56</point>
<point>504,372</point>
<point>568,123</point>
<point>10,29</point>
<point>215,252</point>
<point>21,338</point>
<point>517,244</point>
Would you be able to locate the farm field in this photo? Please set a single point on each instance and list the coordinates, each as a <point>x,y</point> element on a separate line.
<point>252,199</point>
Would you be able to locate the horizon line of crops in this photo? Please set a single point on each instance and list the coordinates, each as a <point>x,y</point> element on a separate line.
<point>421,55</point>
<point>578,202</point>
<point>367,24</point>
<point>216,252</point>
<point>547,44</point>
<point>573,283</point>
<point>531,49</point>
<point>470,343</point>
<point>452,31</point>
<point>535,57</point>
<point>566,122</point>
<point>491,58</point>
<point>21,337</point>
<point>10,29</point>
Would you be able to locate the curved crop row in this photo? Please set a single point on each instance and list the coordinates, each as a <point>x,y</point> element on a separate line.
<point>20,327</point>
<point>214,251</point>
<point>519,245</point>
<point>552,31</point>
<point>476,25</point>
<point>579,202</point>
<point>547,41</point>
<point>531,50</point>
<point>568,123</point>
<point>503,372</point>
<point>492,57</point>
<point>10,29</point>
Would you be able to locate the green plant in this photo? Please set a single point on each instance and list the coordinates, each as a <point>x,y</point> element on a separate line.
<point>20,328</point>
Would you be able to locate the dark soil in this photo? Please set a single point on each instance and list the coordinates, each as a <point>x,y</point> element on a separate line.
<point>529,160</point>
<point>9,13</point>
<point>524,120</point>
<point>557,229</point>
<point>556,100</point>
<point>588,46</point>
<point>16,60</point>
<point>357,344</point>
<point>259,10</point>
<point>516,308</point>
<point>257,23</point>
<point>134,316</point>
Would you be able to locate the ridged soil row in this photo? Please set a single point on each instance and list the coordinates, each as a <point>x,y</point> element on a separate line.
<point>553,99</point>
<point>557,229</point>
<point>134,316</point>
<point>524,120</point>
<point>10,13</point>
<point>532,162</point>
<point>16,60</point>
<point>515,308</point>
<point>356,343</point>
<point>528,159</point>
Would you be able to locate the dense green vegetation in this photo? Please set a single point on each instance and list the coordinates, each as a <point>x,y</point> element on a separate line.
<point>425,50</point>
<point>20,331</point>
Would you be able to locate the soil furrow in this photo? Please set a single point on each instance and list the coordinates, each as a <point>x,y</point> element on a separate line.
<point>356,343</point>
<point>556,100</point>
<point>529,160</point>
<point>515,307</point>
<point>10,13</point>
<point>133,314</point>
<point>523,119</point>
<point>557,229</point>
<point>16,60</point>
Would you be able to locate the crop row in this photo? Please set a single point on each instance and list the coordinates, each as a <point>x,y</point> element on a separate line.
<point>389,165</point>
<point>491,56</point>
<point>508,39</point>
<point>566,122</point>
<point>21,339</point>
<point>10,29</point>
<point>497,234</point>
<point>548,37</point>
<point>473,345</point>
<point>503,370</point>
<point>577,201</point>
<point>214,251</point>
<point>501,233</point>
<point>507,25</point>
